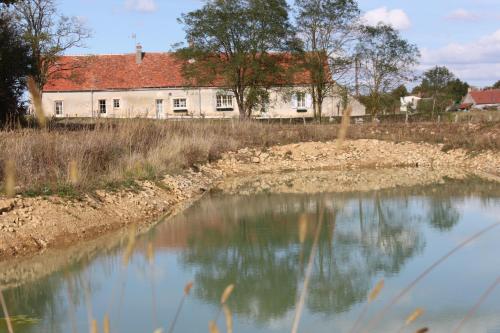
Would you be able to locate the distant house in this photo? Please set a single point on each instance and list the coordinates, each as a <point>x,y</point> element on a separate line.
<point>481,99</point>
<point>151,85</point>
<point>409,103</point>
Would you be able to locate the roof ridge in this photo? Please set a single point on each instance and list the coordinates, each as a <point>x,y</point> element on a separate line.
<point>113,54</point>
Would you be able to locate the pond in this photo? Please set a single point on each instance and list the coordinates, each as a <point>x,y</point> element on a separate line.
<point>267,244</point>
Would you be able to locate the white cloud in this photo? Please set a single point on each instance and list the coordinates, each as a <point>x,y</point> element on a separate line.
<point>145,6</point>
<point>395,17</point>
<point>476,61</point>
<point>462,15</point>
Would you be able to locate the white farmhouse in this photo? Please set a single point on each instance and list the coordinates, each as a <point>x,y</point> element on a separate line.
<point>151,85</point>
<point>409,103</point>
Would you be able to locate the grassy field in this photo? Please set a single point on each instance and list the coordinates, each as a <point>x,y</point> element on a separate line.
<point>85,155</point>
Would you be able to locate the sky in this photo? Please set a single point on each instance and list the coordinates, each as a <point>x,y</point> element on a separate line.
<point>463,35</point>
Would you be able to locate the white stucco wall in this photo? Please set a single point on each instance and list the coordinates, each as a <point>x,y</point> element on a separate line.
<point>201,102</point>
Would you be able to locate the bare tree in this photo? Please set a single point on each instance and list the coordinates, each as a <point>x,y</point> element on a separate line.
<point>326,28</point>
<point>386,61</point>
<point>48,34</point>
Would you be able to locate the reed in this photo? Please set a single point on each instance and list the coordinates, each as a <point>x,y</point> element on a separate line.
<point>6,313</point>
<point>187,290</point>
<point>300,304</point>
<point>10,178</point>
<point>372,296</point>
<point>411,318</point>
<point>380,315</point>
<point>86,155</point>
<point>474,309</point>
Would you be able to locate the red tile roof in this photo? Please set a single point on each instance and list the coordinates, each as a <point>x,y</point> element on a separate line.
<point>117,72</point>
<point>486,97</point>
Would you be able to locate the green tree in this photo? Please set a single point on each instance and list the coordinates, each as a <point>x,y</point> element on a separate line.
<point>496,85</point>
<point>48,34</point>
<point>231,42</point>
<point>14,67</point>
<point>386,60</point>
<point>443,87</point>
<point>326,28</point>
<point>457,89</point>
<point>435,83</point>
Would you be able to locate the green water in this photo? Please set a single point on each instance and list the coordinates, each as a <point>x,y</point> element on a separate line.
<point>253,242</point>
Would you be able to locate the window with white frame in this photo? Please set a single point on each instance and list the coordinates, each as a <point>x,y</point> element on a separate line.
<point>301,101</point>
<point>102,106</point>
<point>58,108</point>
<point>224,102</point>
<point>179,104</point>
<point>159,107</point>
<point>116,103</point>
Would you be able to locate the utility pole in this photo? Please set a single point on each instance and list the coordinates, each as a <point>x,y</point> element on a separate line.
<point>356,74</point>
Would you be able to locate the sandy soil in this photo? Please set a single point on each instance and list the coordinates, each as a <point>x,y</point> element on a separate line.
<point>33,225</point>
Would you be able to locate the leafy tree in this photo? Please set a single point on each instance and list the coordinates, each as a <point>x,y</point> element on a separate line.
<point>48,34</point>
<point>231,42</point>
<point>441,85</point>
<point>386,60</point>
<point>457,89</point>
<point>435,83</point>
<point>326,28</point>
<point>496,85</point>
<point>14,67</point>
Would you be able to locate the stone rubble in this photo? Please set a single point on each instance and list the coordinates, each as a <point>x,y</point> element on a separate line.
<point>30,225</point>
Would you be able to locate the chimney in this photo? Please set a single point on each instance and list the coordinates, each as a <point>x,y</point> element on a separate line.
<point>138,54</point>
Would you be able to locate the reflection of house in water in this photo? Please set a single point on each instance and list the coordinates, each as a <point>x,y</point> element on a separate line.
<point>254,240</point>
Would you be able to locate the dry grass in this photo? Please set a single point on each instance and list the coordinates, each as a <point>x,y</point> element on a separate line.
<point>82,155</point>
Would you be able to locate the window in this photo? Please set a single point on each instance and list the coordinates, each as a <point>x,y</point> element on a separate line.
<point>180,104</point>
<point>301,101</point>
<point>116,103</point>
<point>159,107</point>
<point>58,108</point>
<point>224,102</point>
<point>102,106</point>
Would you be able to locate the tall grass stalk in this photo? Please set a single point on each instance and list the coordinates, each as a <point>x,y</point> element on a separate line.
<point>300,304</point>
<point>380,315</point>
<point>411,318</point>
<point>115,151</point>
<point>372,296</point>
<point>187,290</point>
<point>10,178</point>
<point>476,307</point>
<point>6,313</point>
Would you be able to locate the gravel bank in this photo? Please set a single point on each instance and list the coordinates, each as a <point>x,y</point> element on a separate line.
<point>32,225</point>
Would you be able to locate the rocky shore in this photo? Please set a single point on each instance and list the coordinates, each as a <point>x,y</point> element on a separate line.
<point>32,225</point>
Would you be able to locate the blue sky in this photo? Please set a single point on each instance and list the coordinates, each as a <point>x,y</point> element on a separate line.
<point>461,34</point>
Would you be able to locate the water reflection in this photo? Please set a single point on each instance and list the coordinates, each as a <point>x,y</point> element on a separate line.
<point>253,241</point>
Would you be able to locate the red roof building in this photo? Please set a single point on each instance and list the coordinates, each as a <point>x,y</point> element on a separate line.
<point>483,99</point>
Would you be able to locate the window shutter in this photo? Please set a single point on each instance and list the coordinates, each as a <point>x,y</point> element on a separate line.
<point>308,101</point>
<point>294,101</point>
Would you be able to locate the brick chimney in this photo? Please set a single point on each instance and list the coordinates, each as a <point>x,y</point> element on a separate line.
<point>138,54</point>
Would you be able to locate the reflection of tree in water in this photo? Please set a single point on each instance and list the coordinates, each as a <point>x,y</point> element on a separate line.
<point>443,214</point>
<point>261,253</point>
<point>47,300</point>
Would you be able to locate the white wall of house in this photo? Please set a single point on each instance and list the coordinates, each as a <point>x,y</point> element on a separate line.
<point>409,103</point>
<point>169,103</point>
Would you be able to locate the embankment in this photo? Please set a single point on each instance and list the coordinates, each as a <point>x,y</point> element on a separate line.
<point>33,225</point>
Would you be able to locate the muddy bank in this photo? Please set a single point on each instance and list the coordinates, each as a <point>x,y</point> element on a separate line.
<point>33,225</point>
